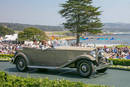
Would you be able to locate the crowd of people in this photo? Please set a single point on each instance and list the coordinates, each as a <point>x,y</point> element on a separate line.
<point>6,48</point>
<point>114,52</point>
<point>47,44</point>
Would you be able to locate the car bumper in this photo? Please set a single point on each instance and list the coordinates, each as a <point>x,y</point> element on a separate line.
<point>102,66</point>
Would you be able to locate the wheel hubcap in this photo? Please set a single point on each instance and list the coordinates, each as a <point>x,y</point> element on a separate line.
<point>21,63</point>
<point>84,68</point>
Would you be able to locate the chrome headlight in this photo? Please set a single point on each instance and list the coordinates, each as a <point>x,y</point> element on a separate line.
<point>93,53</point>
<point>101,54</point>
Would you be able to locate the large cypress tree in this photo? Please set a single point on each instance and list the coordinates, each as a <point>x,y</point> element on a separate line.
<point>81,16</point>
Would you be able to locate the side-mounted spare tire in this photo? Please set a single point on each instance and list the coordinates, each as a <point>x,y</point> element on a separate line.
<point>21,64</point>
<point>85,68</point>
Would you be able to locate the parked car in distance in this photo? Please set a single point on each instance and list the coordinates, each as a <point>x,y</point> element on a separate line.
<point>86,60</point>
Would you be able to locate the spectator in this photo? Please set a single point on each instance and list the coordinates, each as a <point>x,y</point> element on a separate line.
<point>128,56</point>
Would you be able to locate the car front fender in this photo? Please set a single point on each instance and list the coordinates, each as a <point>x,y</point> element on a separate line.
<point>88,57</point>
<point>81,57</point>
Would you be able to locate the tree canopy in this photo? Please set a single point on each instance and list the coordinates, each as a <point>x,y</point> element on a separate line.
<point>81,16</point>
<point>5,31</point>
<point>32,34</point>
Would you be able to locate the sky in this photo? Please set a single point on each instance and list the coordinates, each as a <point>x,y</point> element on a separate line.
<point>45,12</point>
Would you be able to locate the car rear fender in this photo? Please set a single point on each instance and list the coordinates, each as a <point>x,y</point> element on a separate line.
<point>19,55</point>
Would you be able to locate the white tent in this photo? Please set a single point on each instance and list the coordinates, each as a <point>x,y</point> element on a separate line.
<point>10,37</point>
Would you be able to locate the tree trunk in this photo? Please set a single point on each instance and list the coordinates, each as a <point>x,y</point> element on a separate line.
<point>77,39</point>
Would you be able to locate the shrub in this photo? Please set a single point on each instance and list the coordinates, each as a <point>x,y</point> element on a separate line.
<point>3,56</point>
<point>14,81</point>
<point>121,46</point>
<point>123,62</point>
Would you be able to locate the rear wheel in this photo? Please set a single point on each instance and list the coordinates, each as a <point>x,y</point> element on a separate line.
<point>21,64</point>
<point>85,68</point>
<point>102,70</point>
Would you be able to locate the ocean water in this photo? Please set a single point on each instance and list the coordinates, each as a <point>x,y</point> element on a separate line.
<point>123,39</point>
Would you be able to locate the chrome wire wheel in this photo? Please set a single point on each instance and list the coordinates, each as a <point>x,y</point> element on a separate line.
<point>21,64</point>
<point>85,68</point>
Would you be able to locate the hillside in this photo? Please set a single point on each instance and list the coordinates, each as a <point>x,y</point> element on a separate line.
<point>111,27</point>
<point>117,27</point>
<point>19,27</point>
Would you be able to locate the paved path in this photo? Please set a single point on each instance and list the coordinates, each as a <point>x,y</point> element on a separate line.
<point>117,78</point>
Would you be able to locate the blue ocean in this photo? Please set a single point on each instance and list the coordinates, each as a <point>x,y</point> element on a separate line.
<point>123,39</point>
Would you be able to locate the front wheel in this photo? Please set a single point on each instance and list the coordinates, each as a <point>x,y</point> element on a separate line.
<point>102,70</point>
<point>85,68</point>
<point>21,64</point>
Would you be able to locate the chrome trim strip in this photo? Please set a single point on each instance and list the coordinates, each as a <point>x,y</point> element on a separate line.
<point>44,67</point>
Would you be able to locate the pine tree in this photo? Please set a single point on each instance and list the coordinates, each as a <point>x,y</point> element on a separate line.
<point>81,16</point>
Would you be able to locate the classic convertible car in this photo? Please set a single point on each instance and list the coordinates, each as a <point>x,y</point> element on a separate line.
<point>86,60</point>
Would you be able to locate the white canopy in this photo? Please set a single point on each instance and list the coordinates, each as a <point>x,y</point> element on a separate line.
<point>10,37</point>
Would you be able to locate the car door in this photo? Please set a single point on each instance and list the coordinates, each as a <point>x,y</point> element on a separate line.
<point>61,57</point>
<point>39,57</point>
<point>64,56</point>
